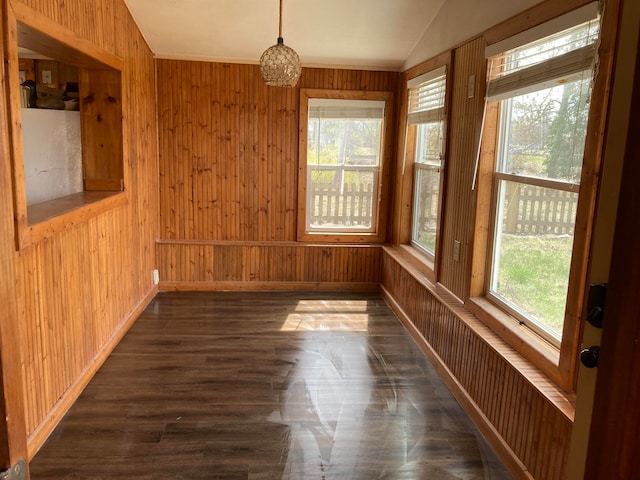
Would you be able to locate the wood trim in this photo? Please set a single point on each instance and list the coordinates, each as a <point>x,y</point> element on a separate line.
<point>48,218</point>
<point>489,432</point>
<point>419,260</point>
<point>14,124</point>
<point>13,444</point>
<point>36,31</point>
<point>246,243</point>
<point>261,286</point>
<point>526,342</point>
<point>442,198</point>
<point>405,157</point>
<point>303,145</point>
<point>46,426</point>
<point>484,180</point>
<point>538,182</point>
<point>444,59</point>
<point>536,15</point>
<point>379,233</point>
<point>589,183</point>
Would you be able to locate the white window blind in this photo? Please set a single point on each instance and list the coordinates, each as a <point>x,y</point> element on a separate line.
<point>427,97</point>
<point>546,62</point>
<point>345,109</point>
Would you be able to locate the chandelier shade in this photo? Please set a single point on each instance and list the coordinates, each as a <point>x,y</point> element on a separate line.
<point>279,64</point>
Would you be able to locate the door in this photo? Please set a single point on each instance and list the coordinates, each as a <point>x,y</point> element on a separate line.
<point>614,440</point>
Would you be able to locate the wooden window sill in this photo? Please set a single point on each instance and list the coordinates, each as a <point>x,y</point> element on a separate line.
<point>530,345</point>
<point>48,218</point>
<point>340,237</point>
<point>546,384</point>
<point>419,260</point>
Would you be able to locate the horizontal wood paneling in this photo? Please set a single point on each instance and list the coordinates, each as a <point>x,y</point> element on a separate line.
<point>77,289</point>
<point>532,416</point>
<point>187,264</point>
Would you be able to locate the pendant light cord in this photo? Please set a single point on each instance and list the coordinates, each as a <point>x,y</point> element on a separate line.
<point>280,24</point>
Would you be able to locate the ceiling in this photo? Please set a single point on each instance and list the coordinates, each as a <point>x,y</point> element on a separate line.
<point>368,34</point>
<point>351,33</point>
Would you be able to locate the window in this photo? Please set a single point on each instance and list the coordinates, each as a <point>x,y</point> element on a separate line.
<point>543,89</point>
<point>67,149</point>
<point>341,164</point>
<point>426,114</point>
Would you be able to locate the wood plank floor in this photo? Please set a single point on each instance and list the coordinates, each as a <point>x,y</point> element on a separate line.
<point>274,385</point>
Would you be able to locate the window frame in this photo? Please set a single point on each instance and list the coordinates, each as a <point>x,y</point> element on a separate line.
<point>559,363</point>
<point>420,168</point>
<point>101,118</point>
<point>406,171</point>
<point>377,232</point>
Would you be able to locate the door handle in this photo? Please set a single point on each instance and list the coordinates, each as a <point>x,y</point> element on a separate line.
<point>589,356</point>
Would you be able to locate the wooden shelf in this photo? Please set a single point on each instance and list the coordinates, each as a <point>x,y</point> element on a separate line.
<point>47,218</point>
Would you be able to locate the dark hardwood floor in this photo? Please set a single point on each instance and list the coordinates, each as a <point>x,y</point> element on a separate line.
<point>256,386</point>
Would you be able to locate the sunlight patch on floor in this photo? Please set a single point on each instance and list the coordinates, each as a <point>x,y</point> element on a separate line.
<point>326,322</point>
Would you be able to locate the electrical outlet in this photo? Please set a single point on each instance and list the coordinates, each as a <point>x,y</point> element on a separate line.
<point>156,277</point>
<point>46,77</point>
<point>456,251</point>
<point>471,86</point>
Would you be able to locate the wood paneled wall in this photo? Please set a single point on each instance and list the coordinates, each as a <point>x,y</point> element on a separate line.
<point>228,173</point>
<point>249,265</point>
<point>466,123</point>
<point>517,400</point>
<point>78,290</point>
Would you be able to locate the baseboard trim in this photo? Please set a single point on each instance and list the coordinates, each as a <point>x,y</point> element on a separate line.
<point>39,436</point>
<point>486,428</point>
<point>266,286</point>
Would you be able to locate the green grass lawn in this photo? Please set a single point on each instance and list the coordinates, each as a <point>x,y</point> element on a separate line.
<point>534,275</point>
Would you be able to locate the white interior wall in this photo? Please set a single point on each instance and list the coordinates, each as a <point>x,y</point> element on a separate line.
<point>461,20</point>
<point>52,153</point>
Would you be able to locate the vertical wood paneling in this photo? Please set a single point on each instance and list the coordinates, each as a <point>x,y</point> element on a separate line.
<point>76,288</point>
<point>266,265</point>
<point>228,173</point>
<point>228,148</point>
<point>466,119</point>
<point>534,428</point>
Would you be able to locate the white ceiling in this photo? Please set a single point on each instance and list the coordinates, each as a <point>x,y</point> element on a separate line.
<point>380,34</point>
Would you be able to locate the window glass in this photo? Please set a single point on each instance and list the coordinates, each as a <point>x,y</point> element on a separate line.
<point>343,162</point>
<point>542,134</point>
<point>430,137</point>
<point>532,252</point>
<point>426,113</point>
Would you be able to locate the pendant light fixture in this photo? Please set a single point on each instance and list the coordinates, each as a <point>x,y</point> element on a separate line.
<point>279,64</point>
